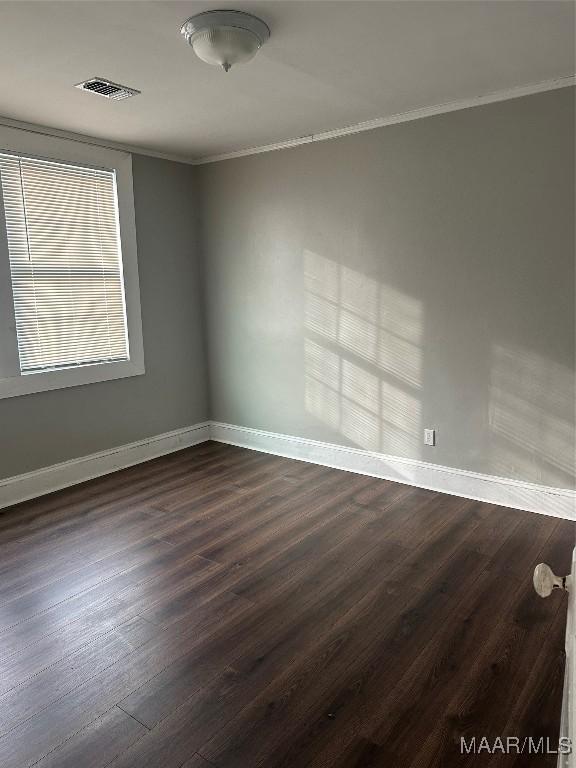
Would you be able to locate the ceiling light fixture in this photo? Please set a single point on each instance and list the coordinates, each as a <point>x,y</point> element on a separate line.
<point>224,38</point>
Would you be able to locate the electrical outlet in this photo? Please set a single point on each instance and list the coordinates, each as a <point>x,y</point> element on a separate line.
<point>429,437</point>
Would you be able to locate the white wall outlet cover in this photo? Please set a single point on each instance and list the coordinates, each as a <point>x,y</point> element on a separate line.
<point>429,437</point>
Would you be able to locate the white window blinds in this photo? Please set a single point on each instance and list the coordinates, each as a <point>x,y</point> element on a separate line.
<point>65,263</point>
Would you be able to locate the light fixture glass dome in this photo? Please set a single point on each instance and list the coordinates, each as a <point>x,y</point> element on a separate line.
<point>225,46</point>
<point>224,38</point>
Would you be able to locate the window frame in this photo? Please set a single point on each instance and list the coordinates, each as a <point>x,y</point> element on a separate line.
<point>12,381</point>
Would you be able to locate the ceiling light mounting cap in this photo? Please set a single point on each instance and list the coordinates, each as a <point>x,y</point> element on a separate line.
<point>224,38</point>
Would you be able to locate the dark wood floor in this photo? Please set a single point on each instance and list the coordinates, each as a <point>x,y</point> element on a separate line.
<point>220,607</point>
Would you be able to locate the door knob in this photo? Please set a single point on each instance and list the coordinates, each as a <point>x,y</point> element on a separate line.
<point>545,580</point>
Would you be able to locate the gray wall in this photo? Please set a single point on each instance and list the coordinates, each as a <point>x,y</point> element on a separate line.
<point>42,429</point>
<point>419,275</point>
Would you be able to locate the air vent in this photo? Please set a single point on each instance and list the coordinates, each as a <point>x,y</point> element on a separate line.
<point>106,88</point>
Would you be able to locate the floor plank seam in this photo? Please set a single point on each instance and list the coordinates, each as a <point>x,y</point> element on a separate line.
<point>43,669</point>
<point>65,600</point>
<point>210,762</point>
<point>60,698</point>
<point>133,717</point>
<point>370,610</point>
<point>68,738</point>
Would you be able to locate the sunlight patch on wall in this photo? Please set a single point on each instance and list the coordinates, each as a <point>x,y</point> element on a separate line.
<point>322,277</point>
<point>322,316</point>
<point>363,357</point>
<point>400,341</point>
<point>401,414</point>
<point>322,383</point>
<point>358,335</point>
<point>531,416</point>
<point>360,406</point>
<point>375,322</point>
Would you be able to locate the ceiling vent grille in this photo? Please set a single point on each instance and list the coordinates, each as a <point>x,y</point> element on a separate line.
<point>106,88</point>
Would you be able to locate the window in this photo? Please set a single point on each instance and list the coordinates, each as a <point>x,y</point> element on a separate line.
<point>75,302</point>
<point>65,263</point>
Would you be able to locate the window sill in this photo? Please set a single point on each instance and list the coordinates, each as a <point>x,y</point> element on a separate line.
<point>69,377</point>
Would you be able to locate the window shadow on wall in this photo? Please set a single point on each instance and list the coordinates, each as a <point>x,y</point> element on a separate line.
<point>363,358</point>
<point>531,416</point>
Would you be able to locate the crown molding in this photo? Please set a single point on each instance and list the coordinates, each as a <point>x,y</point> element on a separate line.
<point>368,125</point>
<point>401,117</point>
<point>58,133</point>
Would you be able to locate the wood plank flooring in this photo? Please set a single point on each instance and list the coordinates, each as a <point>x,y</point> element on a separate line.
<point>220,607</point>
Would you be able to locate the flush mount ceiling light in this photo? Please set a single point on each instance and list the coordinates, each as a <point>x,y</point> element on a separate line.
<point>224,38</point>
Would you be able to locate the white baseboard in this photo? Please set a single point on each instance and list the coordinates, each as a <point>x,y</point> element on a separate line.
<point>32,484</point>
<point>557,502</point>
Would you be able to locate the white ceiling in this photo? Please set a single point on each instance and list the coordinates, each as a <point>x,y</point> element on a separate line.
<point>327,65</point>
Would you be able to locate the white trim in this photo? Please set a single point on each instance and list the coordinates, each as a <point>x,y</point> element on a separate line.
<point>568,717</point>
<point>32,484</point>
<point>12,383</point>
<point>45,381</point>
<point>45,130</point>
<point>557,502</point>
<point>402,117</point>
